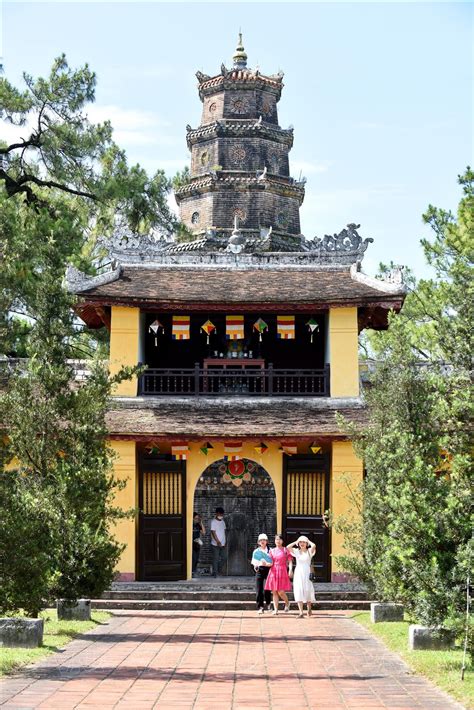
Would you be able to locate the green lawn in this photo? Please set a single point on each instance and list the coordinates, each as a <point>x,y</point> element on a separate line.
<point>442,667</point>
<point>56,634</point>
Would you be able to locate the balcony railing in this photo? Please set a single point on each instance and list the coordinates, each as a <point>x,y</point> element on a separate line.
<point>224,382</point>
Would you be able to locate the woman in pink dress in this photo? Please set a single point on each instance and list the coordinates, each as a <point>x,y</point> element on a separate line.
<point>278,581</point>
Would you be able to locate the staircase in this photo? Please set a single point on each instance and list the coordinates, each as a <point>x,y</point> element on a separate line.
<point>223,593</point>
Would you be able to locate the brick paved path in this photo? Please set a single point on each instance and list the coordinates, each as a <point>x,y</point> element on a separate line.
<point>203,660</point>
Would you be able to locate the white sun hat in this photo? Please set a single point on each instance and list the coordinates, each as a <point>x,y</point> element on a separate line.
<point>262,536</point>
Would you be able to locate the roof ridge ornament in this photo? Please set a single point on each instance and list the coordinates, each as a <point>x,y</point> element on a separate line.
<point>240,56</point>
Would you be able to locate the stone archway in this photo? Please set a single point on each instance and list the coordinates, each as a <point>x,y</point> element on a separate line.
<point>250,508</point>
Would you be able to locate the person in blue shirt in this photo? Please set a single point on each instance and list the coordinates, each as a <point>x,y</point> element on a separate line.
<point>261,562</point>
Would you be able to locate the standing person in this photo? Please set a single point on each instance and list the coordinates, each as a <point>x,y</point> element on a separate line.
<point>303,591</point>
<point>198,531</point>
<point>278,581</point>
<point>218,541</point>
<point>262,562</point>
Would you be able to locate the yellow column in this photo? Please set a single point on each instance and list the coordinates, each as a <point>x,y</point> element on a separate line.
<point>346,475</point>
<point>197,464</point>
<point>343,352</point>
<point>125,469</point>
<point>124,346</point>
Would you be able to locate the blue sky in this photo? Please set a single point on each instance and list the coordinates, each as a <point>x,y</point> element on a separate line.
<point>380,94</point>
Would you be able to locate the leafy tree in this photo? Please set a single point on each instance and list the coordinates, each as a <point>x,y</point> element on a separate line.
<point>417,515</point>
<point>63,167</point>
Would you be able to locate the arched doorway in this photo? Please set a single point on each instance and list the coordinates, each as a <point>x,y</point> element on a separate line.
<point>246,492</point>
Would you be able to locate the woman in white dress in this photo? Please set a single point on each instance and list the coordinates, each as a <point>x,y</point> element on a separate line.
<point>303,591</point>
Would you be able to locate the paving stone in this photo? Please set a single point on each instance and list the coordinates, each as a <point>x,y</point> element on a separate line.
<point>153,659</point>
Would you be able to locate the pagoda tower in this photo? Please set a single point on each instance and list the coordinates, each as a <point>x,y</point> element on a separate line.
<point>239,160</point>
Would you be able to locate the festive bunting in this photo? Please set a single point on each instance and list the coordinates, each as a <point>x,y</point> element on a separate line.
<point>208,328</point>
<point>286,327</point>
<point>180,451</point>
<point>206,448</point>
<point>155,328</point>
<point>234,327</point>
<point>260,326</point>
<point>261,448</point>
<point>313,327</point>
<point>232,450</point>
<point>288,448</point>
<point>152,448</point>
<point>237,472</point>
<point>314,448</point>
<point>180,329</point>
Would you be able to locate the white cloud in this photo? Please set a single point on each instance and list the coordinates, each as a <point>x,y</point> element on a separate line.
<point>133,127</point>
<point>306,167</point>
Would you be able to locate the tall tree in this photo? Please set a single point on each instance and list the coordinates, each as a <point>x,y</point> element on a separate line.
<point>417,514</point>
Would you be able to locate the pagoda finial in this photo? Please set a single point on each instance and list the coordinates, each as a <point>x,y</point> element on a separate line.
<point>240,56</point>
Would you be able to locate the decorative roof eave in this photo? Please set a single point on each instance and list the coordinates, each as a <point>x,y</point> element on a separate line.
<point>238,78</point>
<point>226,178</point>
<point>243,128</point>
<point>76,279</point>
<point>393,285</point>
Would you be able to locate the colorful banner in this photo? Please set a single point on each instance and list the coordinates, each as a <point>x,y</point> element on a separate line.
<point>234,327</point>
<point>289,448</point>
<point>232,450</point>
<point>180,330</point>
<point>180,451</point>
<point>286,327</point>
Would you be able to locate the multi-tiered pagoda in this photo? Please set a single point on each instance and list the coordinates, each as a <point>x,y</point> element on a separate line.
<point>249,334</point>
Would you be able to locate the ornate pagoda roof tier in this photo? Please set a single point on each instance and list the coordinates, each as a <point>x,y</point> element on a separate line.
<point>232,179</point>
<point>242,128</point>
<point>238,79</point>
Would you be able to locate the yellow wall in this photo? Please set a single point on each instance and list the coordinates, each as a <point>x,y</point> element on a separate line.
<point>125,530</point>
<point>345,465</point>
<point>197,463</point>
<point>124,346</point>
<point>343,352</point>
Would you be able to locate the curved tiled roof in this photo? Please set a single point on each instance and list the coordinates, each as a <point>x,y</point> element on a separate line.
<point>171,286</point>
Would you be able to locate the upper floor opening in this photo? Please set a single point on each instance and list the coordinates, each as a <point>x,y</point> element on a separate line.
<point>223,355</point>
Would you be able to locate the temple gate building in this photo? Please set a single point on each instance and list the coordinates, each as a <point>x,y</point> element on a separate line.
<point>249,334</point>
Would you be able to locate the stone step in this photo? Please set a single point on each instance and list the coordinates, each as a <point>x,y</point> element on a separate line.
<point>206,605</point>
<point>214,595</point>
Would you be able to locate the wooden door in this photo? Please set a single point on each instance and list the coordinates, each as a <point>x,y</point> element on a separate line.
<point>162,520</point>
<point>305,498</point>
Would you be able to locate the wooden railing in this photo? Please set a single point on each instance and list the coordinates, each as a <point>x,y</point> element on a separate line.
<point>213,382</point>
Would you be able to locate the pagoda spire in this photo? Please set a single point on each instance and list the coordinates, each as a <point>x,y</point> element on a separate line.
<point>240,56</point>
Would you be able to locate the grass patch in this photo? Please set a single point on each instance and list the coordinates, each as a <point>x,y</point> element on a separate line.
<point>56,634</point>
<point>442,667</point>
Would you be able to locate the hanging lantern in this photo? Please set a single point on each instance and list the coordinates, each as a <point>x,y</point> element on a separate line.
<point>260,326</point>
<point>208,328</point>
<point>155,328</point>
<point>152,448</point>
<point>206,448</point>
<point>313,327</point>
<point>314,448</point>
<point>261,448</point>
